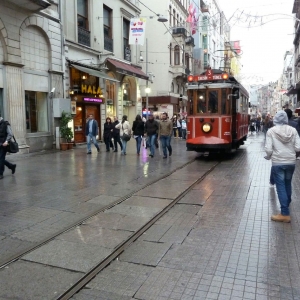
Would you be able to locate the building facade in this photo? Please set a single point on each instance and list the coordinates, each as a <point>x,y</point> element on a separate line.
<point>30,68</point>
<point>102,75</point>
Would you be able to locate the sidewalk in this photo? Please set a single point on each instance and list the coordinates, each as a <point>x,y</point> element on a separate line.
<point>52,191</point>
<point>228,249</point>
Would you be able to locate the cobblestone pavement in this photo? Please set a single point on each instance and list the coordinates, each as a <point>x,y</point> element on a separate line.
<point>53,190</point>
<point>217,243</point>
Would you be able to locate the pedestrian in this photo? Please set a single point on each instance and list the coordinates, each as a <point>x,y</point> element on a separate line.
<point>291,121</point>
<point>282,146</point>
<point>165,133</point>
<point>91,131</point>
<point>5,136</point>
<point>252,125</point>
<point>183,128</point>
<point>179,128</point>
<point>268,123</point>
<point>151,130</point>
<point>125,129</point>
<point>116,135</point>
<point>138,132</point>
<point>107,133</point>
<point>258,121</point>
<point>174,121</point>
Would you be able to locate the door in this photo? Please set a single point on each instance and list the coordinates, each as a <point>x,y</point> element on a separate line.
<point>79,135</point>
<point>95,111</point>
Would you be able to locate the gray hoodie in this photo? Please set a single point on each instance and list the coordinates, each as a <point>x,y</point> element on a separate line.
<point>282,141</point>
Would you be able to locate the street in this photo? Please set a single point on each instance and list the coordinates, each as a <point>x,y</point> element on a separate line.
<point>217,242</point>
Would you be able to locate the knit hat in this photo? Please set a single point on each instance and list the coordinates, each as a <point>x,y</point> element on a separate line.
<point>280,118</point>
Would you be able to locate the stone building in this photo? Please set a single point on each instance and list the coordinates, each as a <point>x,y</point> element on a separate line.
<point>30,67</point>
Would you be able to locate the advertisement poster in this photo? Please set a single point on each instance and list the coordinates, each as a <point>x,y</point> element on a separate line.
<point>137,31</point>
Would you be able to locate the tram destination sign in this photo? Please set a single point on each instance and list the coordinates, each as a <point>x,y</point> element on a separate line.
<point>205,78</point>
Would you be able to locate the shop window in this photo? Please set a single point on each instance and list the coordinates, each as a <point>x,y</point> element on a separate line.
<point>107,27</point>
<point>36,110</point>
<point>127,51</point>
<point>177,55</point>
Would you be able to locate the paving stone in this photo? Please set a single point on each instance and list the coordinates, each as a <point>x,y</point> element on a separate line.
<point>30,281</point>
<point>68,255</point>
<point>97,236</point>
<point>154,233</point>
<point>147,202</point>
<point>195,197</point>
<point>146,253</point>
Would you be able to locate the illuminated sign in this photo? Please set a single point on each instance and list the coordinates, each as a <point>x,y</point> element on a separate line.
<point>204,77</point>
<point>91,89</point>
<point>98,100</point>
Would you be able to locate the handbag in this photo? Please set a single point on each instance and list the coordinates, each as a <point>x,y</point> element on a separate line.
<point>13,146</point>
<point>125,137</point>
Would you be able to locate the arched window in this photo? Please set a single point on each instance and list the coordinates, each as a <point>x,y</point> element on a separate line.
<point>172,87</point>
<point>178,89</point>
<point>176,55</point>
<point>187,61</point>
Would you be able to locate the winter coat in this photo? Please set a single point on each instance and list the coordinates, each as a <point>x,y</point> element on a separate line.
<point>107,133</point>
<point>138,128</point>
<point>282,143</point>
<point>124,128</point>
<point>151,127</point>
<point>116,131</point>
<point>94,127</point>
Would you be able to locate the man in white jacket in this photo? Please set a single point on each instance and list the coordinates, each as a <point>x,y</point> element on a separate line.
<point>282,146</point>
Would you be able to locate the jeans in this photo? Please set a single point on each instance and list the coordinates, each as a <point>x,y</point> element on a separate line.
<point>4,162</point>
<point>283,175</point>
<point>88,140</point>
<point>184,134</point>
<point>179,132</point>
<point>138,144</point>
<point>151,141</point>
<point>272,180</point>
<point>124,145</point>
<point>166,143</point>
<point>117,141</point>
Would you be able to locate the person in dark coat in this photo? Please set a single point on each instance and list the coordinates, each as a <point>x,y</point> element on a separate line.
<point>5,136</point>
<point>107,133</point>
<point>151,130</point>
<point>138,132</point>
<point>116,135</point>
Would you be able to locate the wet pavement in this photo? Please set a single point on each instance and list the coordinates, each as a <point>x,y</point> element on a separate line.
<point>217,243</point>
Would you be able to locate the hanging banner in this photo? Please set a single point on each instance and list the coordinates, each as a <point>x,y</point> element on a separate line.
<point>137,31</point>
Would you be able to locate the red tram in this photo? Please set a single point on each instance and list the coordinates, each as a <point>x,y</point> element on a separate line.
<point>218,113</point>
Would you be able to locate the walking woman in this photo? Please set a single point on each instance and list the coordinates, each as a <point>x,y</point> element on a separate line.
<point>125,130</point>
<point>107,133</point>
<point>138,132</point>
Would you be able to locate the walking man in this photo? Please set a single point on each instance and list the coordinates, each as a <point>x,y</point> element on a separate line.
<point>116,135</point>
<point>151,130</point>
<point>282,146</point>
<point>91,131</point>
<point>165,132</point>
<point>5,137</point>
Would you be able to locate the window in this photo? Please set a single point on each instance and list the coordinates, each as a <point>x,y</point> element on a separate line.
<point>82,14</point>
<point>176,55</point>
<point>174,18</point>
<point>187,61</point>
<point>201,103</point>
<point>170,46</point>
<point>170,15</point>
<point>213,102</point>
<point>225,104</point>
<point>107,27</point>
<point>36,111</point>
<point>172,87</point>
<point>177,19</point>
<point>127,51</point>
<point>178,89</point>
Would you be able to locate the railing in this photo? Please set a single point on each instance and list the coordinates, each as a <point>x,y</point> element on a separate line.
<point>108,44</point>
<point>84,37</point>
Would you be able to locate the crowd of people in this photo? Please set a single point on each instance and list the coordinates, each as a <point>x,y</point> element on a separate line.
<point>146,132</point>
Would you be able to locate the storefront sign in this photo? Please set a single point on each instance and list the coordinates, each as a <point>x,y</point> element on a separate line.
<point>91,89</point>
<point>98,100</point>
<point>137,31</point>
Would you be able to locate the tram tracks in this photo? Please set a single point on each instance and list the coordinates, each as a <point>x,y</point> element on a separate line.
<point>84,280</point>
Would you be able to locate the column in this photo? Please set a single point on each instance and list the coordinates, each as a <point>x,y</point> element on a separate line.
<point>16,104</point>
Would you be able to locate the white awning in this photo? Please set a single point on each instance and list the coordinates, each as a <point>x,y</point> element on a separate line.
<point>94,73</point>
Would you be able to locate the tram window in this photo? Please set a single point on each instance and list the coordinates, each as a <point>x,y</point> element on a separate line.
<point>201,103</point>
<point>224,102</point>
<point>213,102</point>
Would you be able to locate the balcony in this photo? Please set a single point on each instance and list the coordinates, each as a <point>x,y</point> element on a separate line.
<point>189,41</point>
<point>108,44</point>
<point>179,31</point>
<point>31,5</point>
<point>84,37</point>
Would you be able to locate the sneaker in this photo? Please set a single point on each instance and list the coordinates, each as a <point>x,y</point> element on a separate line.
<point>150,155</point>
<point>281,218</point>
<point>98,149</point>
<point>170,153</point>
<point>13,169</point>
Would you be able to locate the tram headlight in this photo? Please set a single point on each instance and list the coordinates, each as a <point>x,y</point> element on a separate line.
<point>206,127</point>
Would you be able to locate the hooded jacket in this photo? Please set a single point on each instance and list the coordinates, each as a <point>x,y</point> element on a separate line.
<point>282,141</point>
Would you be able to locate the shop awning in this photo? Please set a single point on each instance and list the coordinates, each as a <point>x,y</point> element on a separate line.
<point>292,91</point>
<point>94,73</point>
<point>127,69</point>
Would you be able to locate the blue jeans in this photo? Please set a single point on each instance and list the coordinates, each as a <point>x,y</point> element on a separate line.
<point>138,144</point>
<point>184,134</point>
<point>283,175</point>
<point>124,145</point>
<point>166,143</point>
<point>92,138</point>
<point>151,141</point>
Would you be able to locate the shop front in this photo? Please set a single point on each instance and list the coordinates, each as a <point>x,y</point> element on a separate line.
<point>88,97</point>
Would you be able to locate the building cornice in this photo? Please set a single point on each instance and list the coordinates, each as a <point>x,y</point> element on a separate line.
<point>126,13</point>
<point>131,5</point>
